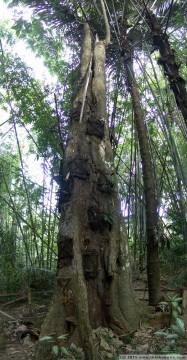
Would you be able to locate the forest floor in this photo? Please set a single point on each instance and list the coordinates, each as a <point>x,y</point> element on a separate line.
<point>19,335</point>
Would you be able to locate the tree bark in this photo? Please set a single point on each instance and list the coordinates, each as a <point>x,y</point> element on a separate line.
<point>152,224</point>
<point>94,278</point>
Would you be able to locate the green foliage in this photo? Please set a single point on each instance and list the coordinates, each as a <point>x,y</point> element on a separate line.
<point>46,44</point>
<point>23,221</point>
<point>37,278</point>
<point>15,279</point>
<point>28,101</point>
<point>166,335</point>
<point>172,302</point>
<point>10,279</point>
<point>46,338</point>
<point>177,330</point>
<point>56,349</point>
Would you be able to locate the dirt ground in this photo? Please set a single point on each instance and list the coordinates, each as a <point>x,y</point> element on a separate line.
<point>19,334</point>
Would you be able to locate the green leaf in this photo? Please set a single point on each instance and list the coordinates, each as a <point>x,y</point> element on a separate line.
<point>172,336</point>
<point>177,330</point>
<point>179,310</point>
<point>161,333</point>
<point>46,338</point>
<point>61,337</point>
<point>55,350</point>
<point>174,304</point>
<point>163,303</point>
<point>178,299</point>
<point>64,350</point>
<point>180,323</point>
<point>175,314</point>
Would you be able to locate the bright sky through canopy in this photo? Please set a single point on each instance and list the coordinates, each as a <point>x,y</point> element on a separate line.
<point>21,49</point>
<point>40,72</point>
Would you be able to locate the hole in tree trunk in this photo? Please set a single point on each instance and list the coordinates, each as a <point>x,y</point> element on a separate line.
<point>65,251</point>
<point>96,127</point>
<point>90,264</point>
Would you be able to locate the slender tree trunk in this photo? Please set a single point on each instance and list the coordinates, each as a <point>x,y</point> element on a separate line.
<point>168,62</point>
<point>153,264</point>
<point>183,209</point>
<point>94,279</point>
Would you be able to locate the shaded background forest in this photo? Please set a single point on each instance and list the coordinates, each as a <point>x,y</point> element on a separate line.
<point>35,122</point>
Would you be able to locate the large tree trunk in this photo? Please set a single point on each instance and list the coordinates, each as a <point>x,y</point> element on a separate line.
<point>152,223</point>
<point>94,278</point>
